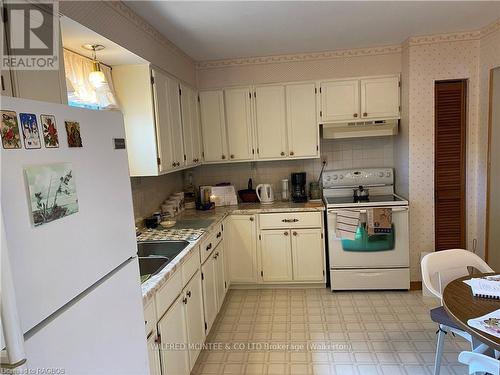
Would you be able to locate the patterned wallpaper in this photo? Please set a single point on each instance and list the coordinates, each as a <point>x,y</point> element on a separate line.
<point>489,58</point>
<point>350,63</point>
<point>428,63</point>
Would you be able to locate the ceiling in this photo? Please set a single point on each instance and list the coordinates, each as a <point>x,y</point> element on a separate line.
<point>208,30</point>
<point>74,35</point>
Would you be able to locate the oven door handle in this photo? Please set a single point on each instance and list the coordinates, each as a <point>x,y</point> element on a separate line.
<point>394,209</point>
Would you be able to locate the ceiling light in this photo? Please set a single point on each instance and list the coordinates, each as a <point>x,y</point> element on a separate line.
<point>96,77</point>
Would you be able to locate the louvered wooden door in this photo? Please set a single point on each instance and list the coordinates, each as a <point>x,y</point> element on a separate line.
<point>449,164</point>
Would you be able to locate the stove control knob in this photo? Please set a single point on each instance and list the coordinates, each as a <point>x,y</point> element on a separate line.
<point>388,174</point>
<point>341,177</point>
<point>381,174</point>
<point>328,178</point>
<point>335,177</point>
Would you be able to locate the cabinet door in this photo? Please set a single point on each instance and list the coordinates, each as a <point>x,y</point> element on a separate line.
<point>190,124</point>
<point>6,76</point>
<point>380,97</point>
<point>270,122</point>
<point>241,248</point>
<point>42,85</point>
<point>276,255</point>
<point>237,103</point>
<point>339,101</point>
<point>303,130</point>
<point>194,318</point>
<point>172,329</point>
<point>220,276</point>
<point>213,125</point>
<point>163,121</point>
<point>196,129</point>
<point>174,106</point>
<point>308,255</point>
<point>153,355</point>
<point>209,291</point>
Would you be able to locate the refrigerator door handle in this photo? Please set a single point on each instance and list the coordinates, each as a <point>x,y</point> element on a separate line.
<point>14,355</point>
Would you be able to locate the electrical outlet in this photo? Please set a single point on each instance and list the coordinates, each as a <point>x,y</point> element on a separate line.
<point>324,159</point>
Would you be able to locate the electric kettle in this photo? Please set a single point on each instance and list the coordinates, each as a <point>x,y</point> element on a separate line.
<point>265,193</point>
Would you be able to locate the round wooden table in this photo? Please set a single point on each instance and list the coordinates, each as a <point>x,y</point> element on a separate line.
<point>461,305</point>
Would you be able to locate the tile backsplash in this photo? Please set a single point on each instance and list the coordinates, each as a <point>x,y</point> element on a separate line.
<point>149,192</point>
<point>339,154</point>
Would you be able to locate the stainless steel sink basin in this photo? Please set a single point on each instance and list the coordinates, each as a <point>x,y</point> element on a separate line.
<point>148,266</point>
<point>168,249</point>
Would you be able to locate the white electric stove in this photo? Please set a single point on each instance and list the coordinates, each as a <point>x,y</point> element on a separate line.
<point>378,261</point>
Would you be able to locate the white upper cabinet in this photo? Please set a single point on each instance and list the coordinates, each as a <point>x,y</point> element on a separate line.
<point>380,98</point>
<point>213,125</point>
<point>370,98</point>
<point>191,126</point>
<point>163,119</point>
<point>237,102</point>
<point>270,122</point>
<point>151,107</point>
<point>339,100</point>
<point>174,106</point>
<point>303,130</point>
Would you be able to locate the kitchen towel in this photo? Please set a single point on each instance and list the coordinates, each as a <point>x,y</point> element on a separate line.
<point>347,224</point>
<point>379,220</point>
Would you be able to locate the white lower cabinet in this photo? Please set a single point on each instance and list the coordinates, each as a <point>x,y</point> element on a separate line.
<point>220,275</point>
<point>172,330</point>
<point>153,355</point>
<point>208,278</point>
<point>194,318</point>
<point>241,241</point>
<point>308,255</point>
<point>276,256</point>
<point>294,253</point>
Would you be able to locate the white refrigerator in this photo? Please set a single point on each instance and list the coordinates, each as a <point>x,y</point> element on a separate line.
<point>71,298</point>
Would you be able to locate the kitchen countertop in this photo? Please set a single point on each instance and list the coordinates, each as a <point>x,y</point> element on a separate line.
<point>207,221</point>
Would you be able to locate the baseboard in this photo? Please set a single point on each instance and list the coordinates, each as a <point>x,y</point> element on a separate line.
<point>279,286</point>
<point>415,285</point>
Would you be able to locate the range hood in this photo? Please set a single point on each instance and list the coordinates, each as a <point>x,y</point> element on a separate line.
<point>360,129</point>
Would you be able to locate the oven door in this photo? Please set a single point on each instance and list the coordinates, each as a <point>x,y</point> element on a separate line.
<point>376,251</point>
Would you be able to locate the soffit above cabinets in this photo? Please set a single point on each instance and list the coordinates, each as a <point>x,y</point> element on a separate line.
<point>208,30</point>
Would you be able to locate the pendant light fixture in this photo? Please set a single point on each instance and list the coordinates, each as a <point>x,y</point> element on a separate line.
<point>96,77</point>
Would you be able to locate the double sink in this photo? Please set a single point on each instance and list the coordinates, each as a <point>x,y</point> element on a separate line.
<point>155,255</point>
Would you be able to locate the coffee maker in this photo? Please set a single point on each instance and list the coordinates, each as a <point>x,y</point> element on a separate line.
<point>299,187</point>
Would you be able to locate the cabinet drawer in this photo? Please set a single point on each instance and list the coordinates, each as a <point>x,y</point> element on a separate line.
<point>168,293</point>
<point>191,265</point>
<point>210,243</point>
<point>290,220</point>
<point>149,317</point>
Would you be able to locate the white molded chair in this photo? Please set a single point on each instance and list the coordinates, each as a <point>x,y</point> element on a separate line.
<point>438,269</point>
<point>480,363</point>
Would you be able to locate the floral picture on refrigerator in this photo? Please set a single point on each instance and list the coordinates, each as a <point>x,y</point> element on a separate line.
<point>52,192</point>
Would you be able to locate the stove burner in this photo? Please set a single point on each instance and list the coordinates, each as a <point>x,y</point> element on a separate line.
<point>356,199</point>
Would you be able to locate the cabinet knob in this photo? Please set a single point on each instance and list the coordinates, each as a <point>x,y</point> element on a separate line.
<point>282,153</point>
<point>223,156</point>
<point>355,115</point>
<point>294,233</point>
<point>188,293</point>
<point>173,164</point>
<point>218,235</point>
<point>292,153</point>
<point>185,300</point>
<point>365,114</point>
<point>251,218</point>
<point>178,163</point>
<point>208,247</point>
<point>285,233</point>
<point>232,156</point>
